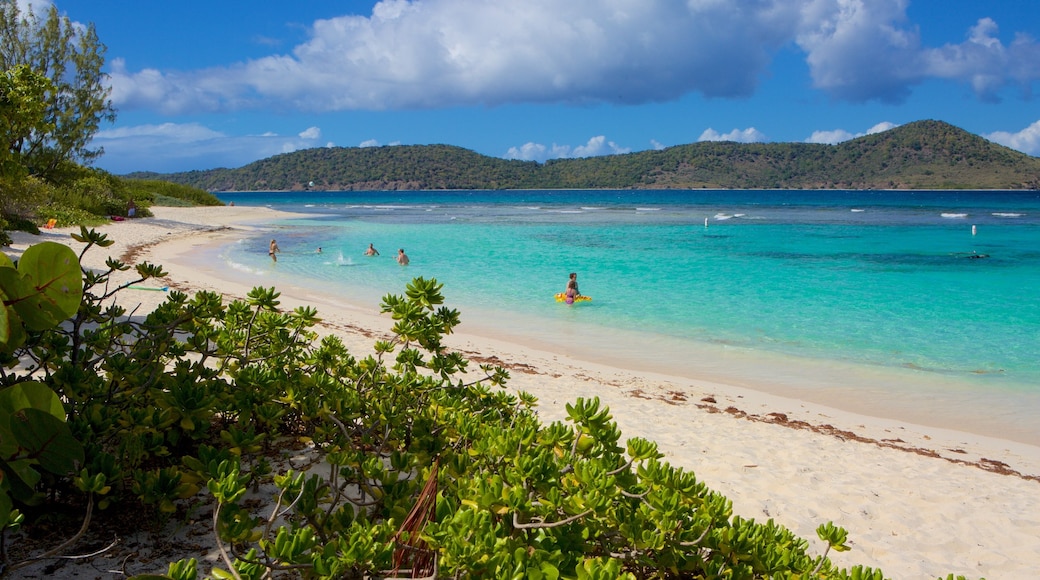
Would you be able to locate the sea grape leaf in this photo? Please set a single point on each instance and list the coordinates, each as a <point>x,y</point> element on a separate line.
<point>24,479</point>
<point>53,286</point>
<point>30,394</point>
<point>23,299</point>
<point>26,395</point>
<point>47,439</point>
<point>5,261</point>
<point>5,324</point>
<point>12,335</point>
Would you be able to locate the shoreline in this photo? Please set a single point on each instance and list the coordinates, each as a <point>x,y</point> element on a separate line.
<point>917,501</point>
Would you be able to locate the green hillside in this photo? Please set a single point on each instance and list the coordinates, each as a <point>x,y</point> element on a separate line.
<point>919,155</point>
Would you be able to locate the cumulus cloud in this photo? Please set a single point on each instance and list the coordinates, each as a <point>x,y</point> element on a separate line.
<point>1027,140</point>
<point>749,135</point>
<point>171,147</point>
<point>422,54</point>
<point>839,135</point>
<point>860,51</point>
<point>595,147</point>
<point>985,63</point>
<point>440,53</point>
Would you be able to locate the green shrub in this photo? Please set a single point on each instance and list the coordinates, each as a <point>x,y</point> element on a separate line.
<point>154,190</point>
<point>167,201</point>
<point>69,216</point>
<point>20,224</point>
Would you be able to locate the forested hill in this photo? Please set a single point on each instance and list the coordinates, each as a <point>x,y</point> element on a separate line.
<point>919,155</point>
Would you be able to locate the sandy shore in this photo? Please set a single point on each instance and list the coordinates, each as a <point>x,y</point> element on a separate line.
<point>918,502</point>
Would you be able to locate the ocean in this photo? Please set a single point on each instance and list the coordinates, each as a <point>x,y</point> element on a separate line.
<point>908,304</point>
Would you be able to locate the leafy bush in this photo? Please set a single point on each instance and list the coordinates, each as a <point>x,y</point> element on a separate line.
<point>65,216</point>
<point>154,191</point>
<point>38,294</point>
<point>97,193</point>
<point>167,201</point>
<point>21,224</point>
<point>431,469</point>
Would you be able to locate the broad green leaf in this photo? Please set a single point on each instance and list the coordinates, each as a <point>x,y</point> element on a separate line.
<point>24,300</point>
<point>47,439</point>
<point>24,479</point>
<point>12,335</point>
<point>5,326</point>
<point>27,395</point>
<point>55,285</point>
<point>5,261</point>
<point>31,395</point>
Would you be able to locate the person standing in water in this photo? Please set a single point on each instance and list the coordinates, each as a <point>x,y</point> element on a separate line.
<point>272,250</point>
<point>402,258</point>
<point>371,251</point>
<point>572,291</point>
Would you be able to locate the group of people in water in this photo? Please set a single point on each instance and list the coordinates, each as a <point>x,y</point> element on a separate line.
<point>571,293</point>
<point>401,257</point>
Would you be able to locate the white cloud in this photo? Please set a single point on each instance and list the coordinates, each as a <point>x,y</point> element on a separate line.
<point>599,146</point>
<point>881,127</point>
<point>983,61</point>
<point>369,143</point>
<point>595,147</point>
<point>1027,140</point>
<point>440,53</point>
<point>830,137</point>
<point>171,147</point>
<point>860,50</point>
<point>656,145</point>
<point>749,135</point>
<point>528,152</point>
<point>37,7</point>
<point>447,53</point>
<point>839,135</point>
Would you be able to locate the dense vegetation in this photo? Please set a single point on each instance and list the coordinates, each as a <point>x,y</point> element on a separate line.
<point>920,155</point>
<point>429,469</point>
<point>52,101</point>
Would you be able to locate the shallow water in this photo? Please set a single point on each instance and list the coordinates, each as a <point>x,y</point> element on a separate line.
<point>931,295</point>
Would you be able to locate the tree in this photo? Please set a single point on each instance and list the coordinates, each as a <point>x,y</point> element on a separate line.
<point>71,56</point>
<point>23,103</point>
<point>23,108</point>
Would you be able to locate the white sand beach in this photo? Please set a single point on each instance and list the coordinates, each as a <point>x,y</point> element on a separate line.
<point>918,502</point>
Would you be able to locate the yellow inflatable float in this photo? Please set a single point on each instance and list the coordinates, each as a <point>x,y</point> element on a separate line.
<point>561,297</point>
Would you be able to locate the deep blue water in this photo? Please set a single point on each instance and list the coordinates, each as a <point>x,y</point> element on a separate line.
<point>941,283</point>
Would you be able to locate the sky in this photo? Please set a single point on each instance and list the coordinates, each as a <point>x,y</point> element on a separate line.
<point>222,83</point>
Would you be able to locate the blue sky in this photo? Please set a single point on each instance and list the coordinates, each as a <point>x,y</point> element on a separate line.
<point>200,85</point>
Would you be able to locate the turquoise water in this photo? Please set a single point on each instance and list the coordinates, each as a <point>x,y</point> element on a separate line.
<point>883,280</point>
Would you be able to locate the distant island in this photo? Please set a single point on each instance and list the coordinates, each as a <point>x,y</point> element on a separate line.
<point>918,155</point>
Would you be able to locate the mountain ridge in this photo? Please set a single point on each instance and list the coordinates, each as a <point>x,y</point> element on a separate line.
<point>919,155</point>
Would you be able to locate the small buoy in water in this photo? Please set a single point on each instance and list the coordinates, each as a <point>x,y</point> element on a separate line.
<point>705,222</point>
<point>973,230</point>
